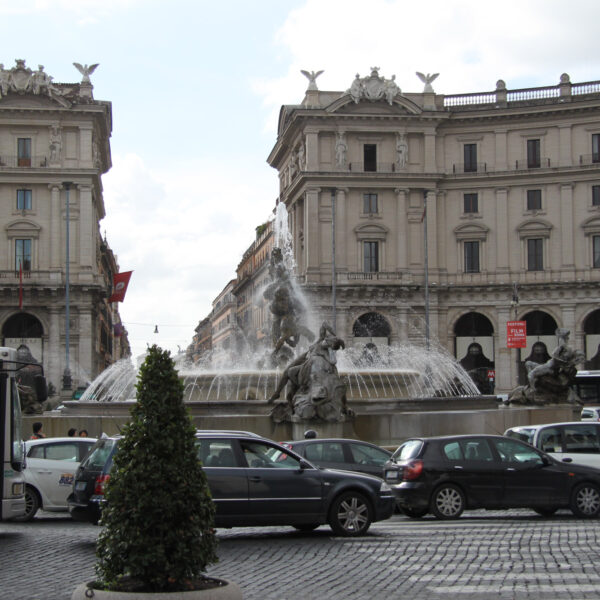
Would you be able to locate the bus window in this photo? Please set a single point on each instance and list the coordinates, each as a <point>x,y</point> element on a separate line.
<point>587,386</point>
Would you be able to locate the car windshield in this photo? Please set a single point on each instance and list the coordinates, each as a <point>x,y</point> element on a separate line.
<point>525,435</point>
<point>407,450</point>
<point>99,454</point>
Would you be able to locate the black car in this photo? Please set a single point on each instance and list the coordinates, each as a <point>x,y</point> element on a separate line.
<point>446,475</point>
<point>340,453</point>
<point>253,482</point>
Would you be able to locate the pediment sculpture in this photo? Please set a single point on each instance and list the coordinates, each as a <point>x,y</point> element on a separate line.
<point>374,88</point>
<point>22,80</point>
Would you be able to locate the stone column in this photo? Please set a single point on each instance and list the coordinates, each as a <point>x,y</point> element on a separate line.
<point>55,347</point>
<point>432,246</point>
<point>312,151</point>
<point>311,230</point>
<point>403,316</point>
<point>505,358</point>
<point>502,260</point>
<point>566,228</point>
<point>429,144</point>
<point>85,145</point>
<point>86,333</point>
<point>568,321</point>
<point>564,146</point>
<point>501,153</point>
<point>87,230</point>
<point>341,233</point>
<point>56,219</point>
<point>401,228</point>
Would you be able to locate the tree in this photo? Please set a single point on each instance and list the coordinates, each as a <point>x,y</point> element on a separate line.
<point>159,516</point>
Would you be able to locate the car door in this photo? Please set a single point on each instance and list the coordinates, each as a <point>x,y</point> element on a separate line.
<point>473,466</point>
<point>227,479</point>
<point>53,467</point>
<point>529,480</point>
<point>581,444</point>
<point>365,458</point>
<point>280,489</point>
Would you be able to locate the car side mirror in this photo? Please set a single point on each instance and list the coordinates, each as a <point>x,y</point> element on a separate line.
<point>304,465</point>
<point>546,460</point>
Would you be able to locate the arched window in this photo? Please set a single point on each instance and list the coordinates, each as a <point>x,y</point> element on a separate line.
<point>22,325</point>
<point>591,330</point>
<point>371,325</point>
<point>541,340</point>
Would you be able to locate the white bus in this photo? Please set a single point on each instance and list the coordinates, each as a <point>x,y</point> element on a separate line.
<point>11,434</point>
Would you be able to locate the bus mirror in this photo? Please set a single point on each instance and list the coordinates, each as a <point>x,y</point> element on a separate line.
<point>41,388</point>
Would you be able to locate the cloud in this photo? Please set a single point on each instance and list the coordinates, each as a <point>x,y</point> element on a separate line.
<point>470,43</point>
<point>182,230</point>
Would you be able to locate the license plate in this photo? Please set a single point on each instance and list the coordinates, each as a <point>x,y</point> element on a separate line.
<point>80,486</point>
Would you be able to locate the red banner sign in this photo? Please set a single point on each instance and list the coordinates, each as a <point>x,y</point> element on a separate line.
<point>516,334</point>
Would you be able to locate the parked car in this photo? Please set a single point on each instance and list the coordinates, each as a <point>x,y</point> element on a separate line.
<point>446,475</point>
<point>590,413</point>
<point>49,469</point>
<point>575,442</point>
<point>339,453</point>
<point>255,481</point>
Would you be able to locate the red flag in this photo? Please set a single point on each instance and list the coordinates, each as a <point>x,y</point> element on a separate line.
<point>20,286</point>
<point>424,213</point>
<point>120,283</point>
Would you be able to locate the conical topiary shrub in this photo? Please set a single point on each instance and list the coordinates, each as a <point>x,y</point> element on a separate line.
<point>159,532</point>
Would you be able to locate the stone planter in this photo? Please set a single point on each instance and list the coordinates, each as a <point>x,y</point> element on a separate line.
<point>229,591</point>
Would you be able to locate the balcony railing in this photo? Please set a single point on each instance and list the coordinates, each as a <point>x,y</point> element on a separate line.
<point>14,274</point>
<point>525,163</point>
<point>359,167</point>
<point>12,162</point>
<point>589,159</point>
<point>369,276</point>
<point>469,168</point>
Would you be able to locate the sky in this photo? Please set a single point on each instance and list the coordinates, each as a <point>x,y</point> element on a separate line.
<point>196,87</point>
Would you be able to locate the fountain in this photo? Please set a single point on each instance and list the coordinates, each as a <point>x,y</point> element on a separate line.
<point>381,393</point>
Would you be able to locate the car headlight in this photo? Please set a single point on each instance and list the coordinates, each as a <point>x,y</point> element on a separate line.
<point>392,474</point>
<point>18,489</point>
<point>384,487</point>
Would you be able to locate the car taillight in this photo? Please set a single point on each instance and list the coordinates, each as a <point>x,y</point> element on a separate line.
<point>412,470</point>
<point>100,486</point>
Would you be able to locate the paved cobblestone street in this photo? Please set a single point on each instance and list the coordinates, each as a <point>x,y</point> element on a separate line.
<point>482,556</point>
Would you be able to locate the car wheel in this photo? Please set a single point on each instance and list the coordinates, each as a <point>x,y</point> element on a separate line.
<point>447,502</point>
<point>585,500</point>
<point>32,504</point>
<point>545,512</point>
<point>306,526</point>
<point>350,514</point>
<point>414,513</point>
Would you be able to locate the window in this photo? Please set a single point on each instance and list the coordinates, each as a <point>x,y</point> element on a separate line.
<point>596,195</point>
<point>325,451</point>
<point>367,455</point>
<point>596,147</point>
<point>23,255</point>
<point>23,199</point>
<point>534,199</point>
<point>370,157</point>
<point>470,154</point>
<point>471,204</point>
<point>517,452</point>
<point>371,256</point>
<point>471,257</point>
<point>535,258</point>
<point>369,203</point>
<point>596,251</point>
<point>476,450</point>
<point>581,439</point>
<point>533,154</point>
<point>24,152</point>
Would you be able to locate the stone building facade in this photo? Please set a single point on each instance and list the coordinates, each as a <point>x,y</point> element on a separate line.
<point>453,214</point>
<point>54,145</point>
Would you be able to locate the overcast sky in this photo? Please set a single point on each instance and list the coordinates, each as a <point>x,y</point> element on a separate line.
<point>196,88</point>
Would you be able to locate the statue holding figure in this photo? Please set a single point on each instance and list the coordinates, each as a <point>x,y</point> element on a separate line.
<point>550,381</point>
<point>286,309</point>
<point>340,150</point>
<point>315,389</point>
<point>401,150</point>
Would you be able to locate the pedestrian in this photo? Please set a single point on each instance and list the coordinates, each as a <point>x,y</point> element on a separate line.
<point>83,433</point>
<point>37,431</point>
<point>72,432</point>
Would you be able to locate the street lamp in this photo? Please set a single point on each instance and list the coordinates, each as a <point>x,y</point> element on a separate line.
<point>426,269</point>
<point>333,278</point>
<point>67,381</point>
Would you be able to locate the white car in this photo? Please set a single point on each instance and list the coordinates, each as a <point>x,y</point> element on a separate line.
<point>575,442</point>
<point>590,413</point>
<point>49,470</point>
